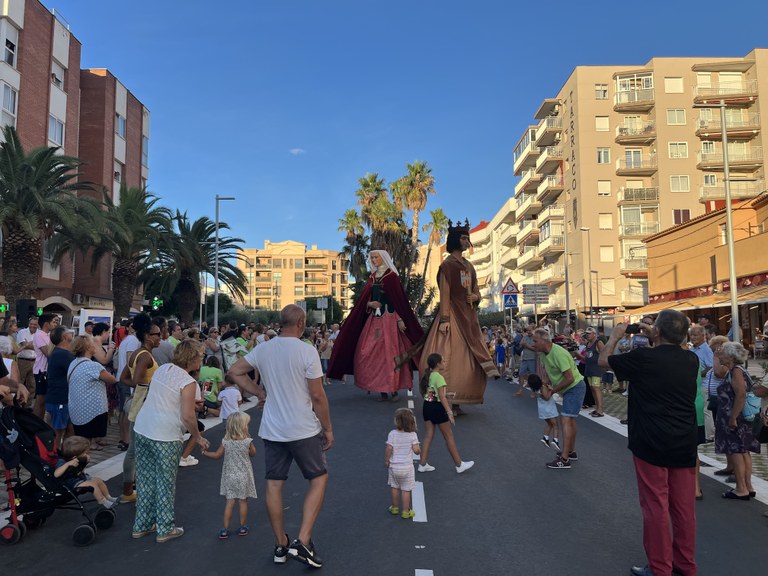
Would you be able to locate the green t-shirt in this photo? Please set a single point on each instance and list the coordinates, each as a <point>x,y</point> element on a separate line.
<point>436,381</point>
<point>244,343</point>
<point>215,377</point>
<point>173,341</point>
<point>558,361</point>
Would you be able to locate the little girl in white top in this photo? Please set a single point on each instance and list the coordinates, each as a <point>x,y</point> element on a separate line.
<point>402,444</point>
<point>237,481</point>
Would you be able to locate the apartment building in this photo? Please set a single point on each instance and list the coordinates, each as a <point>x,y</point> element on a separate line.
<point>287,272</point>
<point>621,153</point>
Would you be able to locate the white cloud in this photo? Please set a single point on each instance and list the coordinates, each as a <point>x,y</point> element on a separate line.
<point>297,151</point>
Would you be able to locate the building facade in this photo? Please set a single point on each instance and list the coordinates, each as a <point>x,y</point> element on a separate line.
<point>288,272</point>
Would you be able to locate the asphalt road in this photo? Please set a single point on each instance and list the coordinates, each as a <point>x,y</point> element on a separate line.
<point>509,515</point>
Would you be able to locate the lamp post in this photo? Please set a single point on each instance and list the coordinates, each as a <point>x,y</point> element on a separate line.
<point>589,263</point>
<point>216,263</point>
<point>567,279</point>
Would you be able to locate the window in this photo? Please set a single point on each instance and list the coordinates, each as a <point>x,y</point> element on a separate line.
<point>676,116</point>
<point>681,215</point>
<point>603,187</point>
<point>704,79</point>
<point>298,277</point>
<point>601,91</point>
<point>119,168</point>
<point>299,263</point>
<point>601,124</point>
<point>11,41</point>
<point>607,287</point>
<point>57,75</point>
<point>678,150</point>
<point>707,147</point>
<point>606,253</point>
<point>679,183</point>
<point>673,85</point>
<point>55,130</point>
<point>120,126</point>
<point>603,155</point>
<point>10,99</point>
<point>710,180</point>
<point>605,221</point>
<point>298,291</point>
<point>277,263</point>
<point>145,151</point>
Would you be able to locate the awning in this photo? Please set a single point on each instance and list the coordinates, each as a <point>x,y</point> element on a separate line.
<point>753,295</point>
<point>654,308</point>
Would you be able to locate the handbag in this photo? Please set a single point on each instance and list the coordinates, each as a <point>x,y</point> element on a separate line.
<point>752,402</point>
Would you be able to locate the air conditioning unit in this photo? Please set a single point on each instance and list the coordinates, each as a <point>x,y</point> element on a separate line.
<point>77,298</point>
<point>556,110</point>
<point>558,137</point>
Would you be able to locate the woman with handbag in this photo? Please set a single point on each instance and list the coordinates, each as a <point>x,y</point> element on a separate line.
<point>733,434</point>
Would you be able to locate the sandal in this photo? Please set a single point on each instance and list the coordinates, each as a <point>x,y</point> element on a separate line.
<point>122,445</point>
<point>597,414</point>
<point>731,495</point>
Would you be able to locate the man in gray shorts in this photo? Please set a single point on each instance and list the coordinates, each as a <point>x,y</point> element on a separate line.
<point>527,360</point>
<point>296,426</point>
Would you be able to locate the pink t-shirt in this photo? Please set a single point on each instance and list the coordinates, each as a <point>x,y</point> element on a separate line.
<point>41,340</point>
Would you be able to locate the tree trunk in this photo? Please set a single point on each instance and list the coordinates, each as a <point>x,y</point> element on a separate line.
<point>187,294</point>
<point>22,264</point>
<point>124,273</point>
<point>424,275</point>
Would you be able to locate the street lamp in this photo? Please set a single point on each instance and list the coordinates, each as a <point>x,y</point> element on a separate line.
<point>216,263</point>
<point>589,257</point>
<point>735,326</point>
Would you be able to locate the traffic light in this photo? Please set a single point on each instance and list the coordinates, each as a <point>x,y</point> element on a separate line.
<point>157,303</point>
<point>3,308</point>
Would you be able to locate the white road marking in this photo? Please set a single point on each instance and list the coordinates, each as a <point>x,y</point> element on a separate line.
<point>422,572</point>
<point>418,503</point>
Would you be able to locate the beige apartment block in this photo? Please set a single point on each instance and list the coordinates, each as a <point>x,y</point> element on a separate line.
<point>621,153</point>
<point>287,272</point>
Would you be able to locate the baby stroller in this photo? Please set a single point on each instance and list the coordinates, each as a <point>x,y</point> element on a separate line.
<point>28,442</point>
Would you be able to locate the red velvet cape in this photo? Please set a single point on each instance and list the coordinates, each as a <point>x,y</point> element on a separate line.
<point>343,354</point>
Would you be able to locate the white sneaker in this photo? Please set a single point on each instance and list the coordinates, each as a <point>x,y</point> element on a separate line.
<point>426,468</point>
<point>188,461</point>
<point>464,466</point>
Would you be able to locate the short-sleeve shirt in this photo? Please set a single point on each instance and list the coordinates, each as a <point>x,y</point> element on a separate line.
<point>128,345</point>
<point>24,336</point>
<point>285,364</point>
<point>436,381</point>
<point>58,365</point>
<point>160,417</point>
<point>705,356</point>
<point>527,353</point>
<point>215,377</point>
<point>556,363</point>
<point>87,393</point>
<point>41,340</point>
<point>662,404</point>
<point>402,447</point>
<point>230,399</point>
<point>163,353</point>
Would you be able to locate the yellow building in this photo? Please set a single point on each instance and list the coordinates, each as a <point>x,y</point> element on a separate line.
<point>287,272</point>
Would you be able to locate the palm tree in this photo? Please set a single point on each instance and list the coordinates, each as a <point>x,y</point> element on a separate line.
<point>371,189</point>
<point>38,198</point>
<point>356,242</point>
<point>419,182</point>
<point>187,254</point>
<point>436,227</point>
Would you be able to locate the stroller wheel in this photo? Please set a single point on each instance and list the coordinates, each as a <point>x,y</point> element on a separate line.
<point>84,535</point>
<point>10,534</point>
<point>23,528</point>
<point>104,519</point>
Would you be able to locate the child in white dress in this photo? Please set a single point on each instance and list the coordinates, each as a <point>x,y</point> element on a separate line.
<point>237,481</point>
<point>402,444</point>
<point>547,410</point>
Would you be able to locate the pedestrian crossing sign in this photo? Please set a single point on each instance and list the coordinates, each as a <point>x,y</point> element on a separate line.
<point>510,301</point>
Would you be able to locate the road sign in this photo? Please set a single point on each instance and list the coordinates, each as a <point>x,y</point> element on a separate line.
<point>510,301</point>
<point>536,289</point>
<point>322,303</point>
<point>510,287</point>
<point>535,299</point>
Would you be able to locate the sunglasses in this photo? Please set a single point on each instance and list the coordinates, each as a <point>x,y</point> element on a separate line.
<point>154,333</point>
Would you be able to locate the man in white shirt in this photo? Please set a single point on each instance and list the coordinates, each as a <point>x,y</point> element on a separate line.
<point>26,356</point>
<point>334,331</point>
<point>296,425</point>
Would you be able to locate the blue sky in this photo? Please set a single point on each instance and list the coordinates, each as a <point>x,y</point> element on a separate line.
<point>286,103</point>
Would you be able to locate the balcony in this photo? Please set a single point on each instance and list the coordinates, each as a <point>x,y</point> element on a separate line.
<point>529,258</point>
<point>746,90</point>
<point>527,207</point>
<point>553,274</point>
<point>550,188</point>
<point>263,266</point>
<point>482,254</point>
<point>744,128</point>
<point>508,258</point>
<point>316,266</point>
<point>638,229</point>
<point>636,132</point>
<point>550,158</point>
<point>486,292</point>
<point>526,152</point>
<point>311,279</point>
<point>644,166</point>
<point>739,191</point>
<point>638,195</point>
<point>529,232</point>
<point>633,297</point>
<point>634,267</point>
<point>739,161</point>
<point>548,132</point>
<point>507,211</point>
<point>551,244</point>
<point>551,213</point>
<point>262,281</point>
<point>634,100</point>
<point>509,236</point>
<point>527,183</point>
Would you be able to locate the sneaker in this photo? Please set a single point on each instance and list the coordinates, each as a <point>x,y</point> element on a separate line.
<point>281,552</point>
<point>545,441</point>
<point>175,533</point>
<point>641,571</point>
<point>426,468</point>
<point>128,498</point>
<point>188,461</point>
<point>408,514</point>
<point>464,466</point>
<point>394,510</point>
<point>243,530</point>
<point>223,534</point>
<point>554,444</point>
<point>305,553</point>
<point>559,464</point>
<point>571,456</point>
<point>142,533</point>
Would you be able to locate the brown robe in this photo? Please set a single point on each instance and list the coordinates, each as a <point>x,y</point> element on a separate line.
<point>468,362</point>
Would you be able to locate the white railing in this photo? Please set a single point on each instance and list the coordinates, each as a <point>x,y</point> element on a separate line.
<point>551,181</point>
<point>528,177</point>
<point>643,163</point>
<point>551,242</point>
<point>552,271</point>
<point>739,190</point>
<point>630,129</point>
<point>638,228</point>
<point>549,123</point>
<point>638,194</point>
<point>548,153</point>
<point>551,212</point>
<point>528,227</point>
<point>527,254</point>
<point>635,295</point>
<point>727,88</point>
<point>509,257</point>
<point>714,123</point>
<point>634,96</point>
<point>508,234</point>
<point>638,263</point>
<point>754,154</point>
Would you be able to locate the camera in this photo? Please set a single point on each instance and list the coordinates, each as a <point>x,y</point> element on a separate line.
<point>633,329</point>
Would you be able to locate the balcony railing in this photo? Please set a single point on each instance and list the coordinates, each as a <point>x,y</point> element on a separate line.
<point>739,191</point>
<point>546,134</point>
<point>527,206</point>
<point>639,194</point>
<point>726,90</point>
<point>263,266</point>
<point>636,131</point>
<point>637,263</point>
<point>752,156</point>
<point>529,255</point>
<point>714,125</point>
<point>509,236</point>
<point>634,99</point>
<point>636,165</point>
<point>550,187</point>
<point>551,213</point>
<point>527,227</point>
<point>638,228</point>
<point>509,257</point>
<point>528,179</point>
<point>550,158</point>
<point>633,296</point>
<point>552,273</point>
<point>552,243</point>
